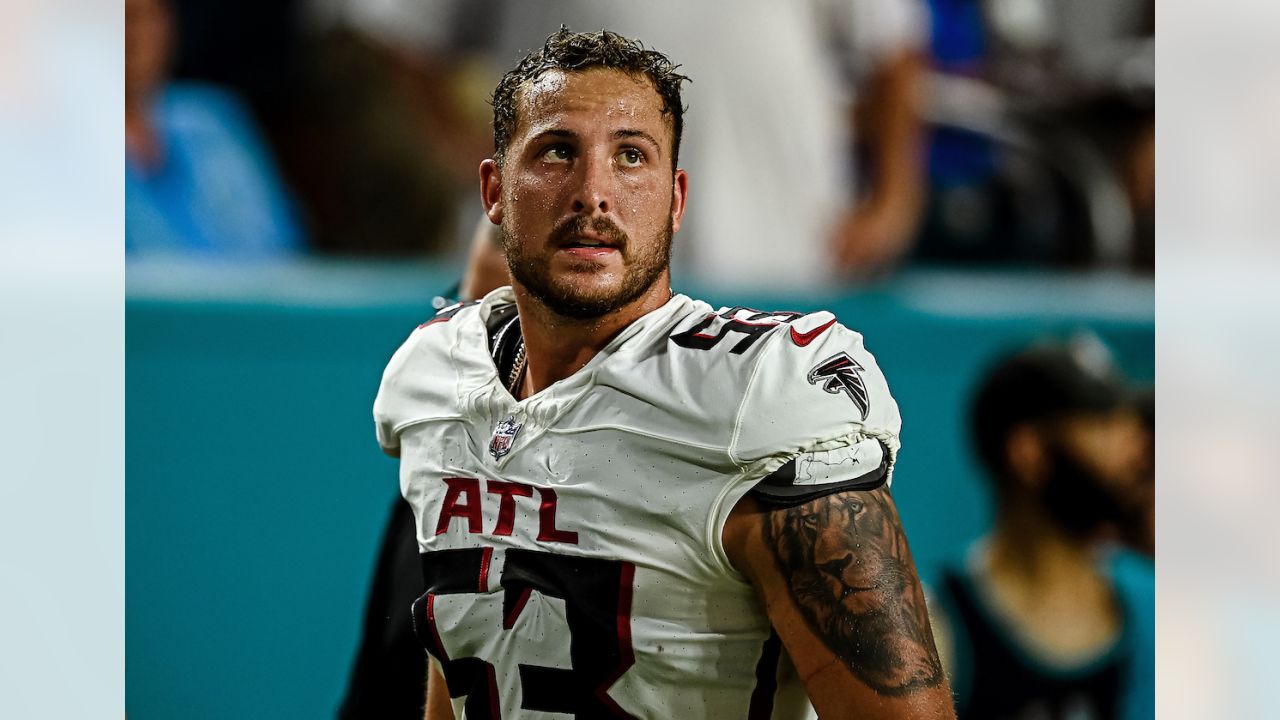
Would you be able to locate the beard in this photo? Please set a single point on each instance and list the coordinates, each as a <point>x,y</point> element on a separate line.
<point>565,297</point>
<point>1078,497</point>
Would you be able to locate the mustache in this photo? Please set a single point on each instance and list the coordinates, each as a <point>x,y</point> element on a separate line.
<point>602,226</point>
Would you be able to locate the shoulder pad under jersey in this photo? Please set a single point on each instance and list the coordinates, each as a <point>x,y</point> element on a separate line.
<point>419,378</point>
<point>817,413</point>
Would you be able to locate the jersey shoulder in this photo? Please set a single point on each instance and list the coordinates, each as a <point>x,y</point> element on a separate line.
<point>777,383</point>
<point>683,377</point>
<point>815,409</point>
<point>421,380</point>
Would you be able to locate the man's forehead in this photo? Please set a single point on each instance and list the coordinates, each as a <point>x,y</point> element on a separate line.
<point>607,92</point>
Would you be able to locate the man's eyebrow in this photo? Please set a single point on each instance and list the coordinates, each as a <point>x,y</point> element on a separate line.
<point>627,133</point>
<point>554,133</point>
<point>566,134</point>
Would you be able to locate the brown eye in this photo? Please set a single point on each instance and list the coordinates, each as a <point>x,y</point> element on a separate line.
<point>630,158</point>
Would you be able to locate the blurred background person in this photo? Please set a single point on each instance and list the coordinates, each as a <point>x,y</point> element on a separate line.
<point>375,117</point>
<point>199,180</point>
<point>1137,527</point>
<point>388,124</point>
<point>1037,621</point>
<point>1042,128</point>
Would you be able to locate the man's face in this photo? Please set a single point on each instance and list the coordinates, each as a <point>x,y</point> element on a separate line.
<point>1093,471</point>
<point>1110,445</point>
<point>587,199</point>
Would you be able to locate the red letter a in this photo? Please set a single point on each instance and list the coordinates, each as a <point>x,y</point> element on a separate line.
<point>469,509</point>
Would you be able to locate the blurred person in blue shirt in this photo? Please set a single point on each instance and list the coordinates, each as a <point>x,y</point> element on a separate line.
<point>199,179</point>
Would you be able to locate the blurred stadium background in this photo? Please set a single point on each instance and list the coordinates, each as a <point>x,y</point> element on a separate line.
<point>256,494</point>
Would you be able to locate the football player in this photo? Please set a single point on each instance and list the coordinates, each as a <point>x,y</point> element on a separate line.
<point>629,503</point>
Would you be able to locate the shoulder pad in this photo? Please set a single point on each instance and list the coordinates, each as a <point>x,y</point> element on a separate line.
<point>815,388</point>
<point>420,375</point>
<point>811,475</point>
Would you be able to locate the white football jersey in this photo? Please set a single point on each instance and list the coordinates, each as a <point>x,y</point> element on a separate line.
<point>571,541</point>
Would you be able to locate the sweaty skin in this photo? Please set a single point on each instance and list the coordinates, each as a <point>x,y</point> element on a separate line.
<point>587,202</point>
<point>846,560</point>
<point>840,587</point>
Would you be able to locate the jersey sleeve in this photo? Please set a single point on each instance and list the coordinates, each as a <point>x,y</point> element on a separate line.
<point>817,416</point>
<point>420,382</point>
<point>387,406</point>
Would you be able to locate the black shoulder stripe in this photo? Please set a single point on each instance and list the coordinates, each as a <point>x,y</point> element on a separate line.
<point>780,488</point>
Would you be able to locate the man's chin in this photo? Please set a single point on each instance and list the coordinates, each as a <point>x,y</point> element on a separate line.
<point>582,303</point>
<point>584,290</point>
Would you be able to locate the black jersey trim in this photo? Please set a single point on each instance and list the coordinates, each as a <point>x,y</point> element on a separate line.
<point>779,488</point>
<point>762,696</point>
<point>504,345</point>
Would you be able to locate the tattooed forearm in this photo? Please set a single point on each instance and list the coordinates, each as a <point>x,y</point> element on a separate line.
<point>847,565</point>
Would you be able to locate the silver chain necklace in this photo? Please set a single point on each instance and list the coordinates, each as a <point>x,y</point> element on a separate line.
<point>517,370</point>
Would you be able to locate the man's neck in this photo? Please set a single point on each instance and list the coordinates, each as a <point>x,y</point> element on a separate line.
<point>557,346</point>
<point>1026,542</point>
<point>1048,584</point>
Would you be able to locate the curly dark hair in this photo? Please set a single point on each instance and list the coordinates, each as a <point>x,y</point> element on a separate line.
<point>574,52</point>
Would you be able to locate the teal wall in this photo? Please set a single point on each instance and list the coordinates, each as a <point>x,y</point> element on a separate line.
<point>256,492</point>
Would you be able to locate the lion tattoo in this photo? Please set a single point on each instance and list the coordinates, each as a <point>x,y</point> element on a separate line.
<point>846,561</point>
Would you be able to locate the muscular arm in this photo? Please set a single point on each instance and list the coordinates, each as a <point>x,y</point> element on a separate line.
<point>438,705</point>
<point>840,588</point>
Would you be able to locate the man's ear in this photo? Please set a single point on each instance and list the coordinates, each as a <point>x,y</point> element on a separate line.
<point>679,194</point>
<point>1026,455</point>
<point>491,190</point>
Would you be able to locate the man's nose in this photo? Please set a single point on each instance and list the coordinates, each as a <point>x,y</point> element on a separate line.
<point>594,187</point>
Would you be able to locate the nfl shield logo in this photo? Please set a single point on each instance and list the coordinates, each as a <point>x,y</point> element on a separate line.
<point>503,436</point>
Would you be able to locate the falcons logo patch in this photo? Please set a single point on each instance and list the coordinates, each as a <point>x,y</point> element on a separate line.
<point>839,374</point>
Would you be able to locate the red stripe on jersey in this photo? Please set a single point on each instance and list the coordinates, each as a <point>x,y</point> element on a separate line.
<point>761,707</point>
<point>494,711</point>
<point>707,319</point>
<point>626,655</point>
<point>484,569</point>
<point>509,620</point>
<point>441,655</point>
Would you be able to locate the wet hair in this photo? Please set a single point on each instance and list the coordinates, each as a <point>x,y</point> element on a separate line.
<point>575,52</point>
